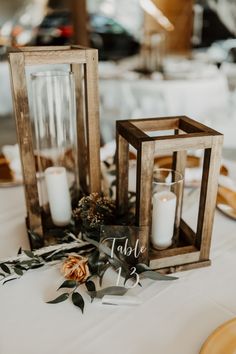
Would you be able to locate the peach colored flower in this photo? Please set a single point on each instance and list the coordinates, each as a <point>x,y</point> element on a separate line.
<point>76,268</point>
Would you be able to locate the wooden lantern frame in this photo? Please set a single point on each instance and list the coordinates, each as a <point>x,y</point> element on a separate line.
<point>188,134</point>
<point>83,63</point>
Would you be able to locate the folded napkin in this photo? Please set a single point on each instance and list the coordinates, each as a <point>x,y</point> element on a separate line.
<point>12,154</point>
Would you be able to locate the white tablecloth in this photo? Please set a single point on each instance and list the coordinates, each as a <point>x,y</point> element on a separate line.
<point>174,317</point>
<point>205,99</point>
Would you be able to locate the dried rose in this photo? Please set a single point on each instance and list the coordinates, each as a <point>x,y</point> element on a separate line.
<point>76,268</point>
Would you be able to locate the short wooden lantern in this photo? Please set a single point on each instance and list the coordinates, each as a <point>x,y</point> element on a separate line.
<point>194,247</point>
<point>83,64</point>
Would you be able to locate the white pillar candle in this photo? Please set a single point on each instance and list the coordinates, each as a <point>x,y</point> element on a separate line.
<point>58,195</point>
<point>163,219</point>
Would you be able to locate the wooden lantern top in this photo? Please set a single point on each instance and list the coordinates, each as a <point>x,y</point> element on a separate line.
<point>191,134</point>
<point>72,54</point>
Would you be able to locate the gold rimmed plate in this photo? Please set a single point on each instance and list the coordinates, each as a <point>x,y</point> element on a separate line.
<point>222,340</point>
<point>225,205</point>
<point>227,210</point>
<point>10,183</point>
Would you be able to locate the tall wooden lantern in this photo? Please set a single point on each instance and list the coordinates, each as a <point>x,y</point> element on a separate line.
<point>184,134</point>
<point>65,123</point>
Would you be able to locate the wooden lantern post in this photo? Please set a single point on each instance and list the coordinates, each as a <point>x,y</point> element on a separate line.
<point>83,63</point>
<point>188,134</point>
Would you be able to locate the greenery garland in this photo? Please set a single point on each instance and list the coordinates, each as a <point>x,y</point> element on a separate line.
<point>84,256</point>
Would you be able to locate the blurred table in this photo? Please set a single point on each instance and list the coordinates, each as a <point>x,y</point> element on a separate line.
<point>174,317</point>
<point>188,87</point>
<point>202,93</point>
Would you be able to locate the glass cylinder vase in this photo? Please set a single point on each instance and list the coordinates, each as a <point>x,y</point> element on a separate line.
<point>166,207</point>
<point>54,128</point>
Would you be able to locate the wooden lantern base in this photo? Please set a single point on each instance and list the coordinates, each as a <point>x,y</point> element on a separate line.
<point>184,256</point>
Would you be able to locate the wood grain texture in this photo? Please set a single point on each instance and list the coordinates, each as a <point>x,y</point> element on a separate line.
<point>183,267</point>
<point>80,22</point>
<point>174,260</point>
<point>166,144</point>
<point>45,57</point>
<point>24,134</point>
<point>92,120</point>
<point>145,164</point>
<point>156,124</point>
<point>82,162</point>
<point>122,171</point>
<point>193,126</point>
<point>131,133</point>
<point>208,195</point>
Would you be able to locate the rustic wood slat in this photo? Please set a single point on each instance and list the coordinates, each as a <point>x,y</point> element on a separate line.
<point>184,267</point>
<point>122,155</point>
<point>174,260</point>
<point>145,163</point>
<point>155,124</point>
<point>41,48</point>
<point>166,144</point>
<point>82,158</point>
<point>131,133</point>
<point>92,120</point>
<point>23,125</point>
<point>169,252</point>
<point>196,126</point>
<point>80,21</point>
<point>208,195</point>
<point>45,57</point>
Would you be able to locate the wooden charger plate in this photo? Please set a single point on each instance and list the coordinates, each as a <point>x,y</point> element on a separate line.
<point>7,178</point>
<point>222,340</point>
<point>226,202</point>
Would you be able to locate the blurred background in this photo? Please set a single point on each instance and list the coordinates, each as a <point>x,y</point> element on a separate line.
<point>156,57</point>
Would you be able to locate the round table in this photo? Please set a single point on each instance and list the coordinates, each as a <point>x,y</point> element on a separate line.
<point>174,317</point>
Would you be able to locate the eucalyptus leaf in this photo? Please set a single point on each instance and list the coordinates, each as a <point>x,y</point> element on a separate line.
<point>51,254</point>
<point>147,272</point>
<point>110,192</point>
<point>113,183</point>
<point>112,172</point>
<point>156,276</point>
<point>18,271</point>
<point>58,256</point>
<point>101,247</point>
<point>8,280</point>
<point>18,265</point>
<point>68,284</point>
<point>37,265</point>
<point>141,267</point>
<point>116,263</point>
<point>27,262</point>
<point>78,301</point>
<point>111,290</point>
<point>5,268</point>
<point>28,253</point>
<point>90,285</point>
<point>60,298</point>
<point>102,272</point>
<point>93,261</point>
